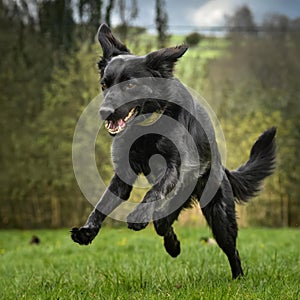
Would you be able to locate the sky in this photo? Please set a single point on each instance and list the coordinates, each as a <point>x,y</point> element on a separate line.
<point>186,15</point>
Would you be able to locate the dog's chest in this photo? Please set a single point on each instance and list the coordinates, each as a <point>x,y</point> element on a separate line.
<point>135,155</point>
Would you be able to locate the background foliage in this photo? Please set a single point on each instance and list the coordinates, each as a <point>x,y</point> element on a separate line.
<point>48,75</point>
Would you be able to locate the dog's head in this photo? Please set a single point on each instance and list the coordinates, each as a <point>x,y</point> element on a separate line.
<point>121,73</point>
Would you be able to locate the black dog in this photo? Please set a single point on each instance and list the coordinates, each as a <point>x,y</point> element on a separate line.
<point>158,116</point>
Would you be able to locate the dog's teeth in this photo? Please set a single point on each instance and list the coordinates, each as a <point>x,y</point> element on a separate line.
<point>118,126</point>
<point>131,113</point>
<point>108,124</point>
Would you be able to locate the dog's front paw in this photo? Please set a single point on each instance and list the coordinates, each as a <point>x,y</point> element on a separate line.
<point>83,235</point>
<point>139,218</point>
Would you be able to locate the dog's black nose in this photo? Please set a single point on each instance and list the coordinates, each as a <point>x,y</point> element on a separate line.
<point>105,112</point>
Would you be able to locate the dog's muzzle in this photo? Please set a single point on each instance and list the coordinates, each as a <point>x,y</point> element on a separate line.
<point>105,112</point>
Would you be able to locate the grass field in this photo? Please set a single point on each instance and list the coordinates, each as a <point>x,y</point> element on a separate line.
<point>121,264</point>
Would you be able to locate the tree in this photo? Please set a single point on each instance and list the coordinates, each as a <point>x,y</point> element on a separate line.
<point>108,11</point>
<point>161,21</point>
<point>90,15</point>
<point>56,21</point>
<point>276,25</point>
<point>127,15</point>
<point>25,69</point>
<point>241,22</point>
<point>193,39</point>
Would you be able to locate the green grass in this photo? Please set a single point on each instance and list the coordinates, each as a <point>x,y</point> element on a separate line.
<point>121,264</point>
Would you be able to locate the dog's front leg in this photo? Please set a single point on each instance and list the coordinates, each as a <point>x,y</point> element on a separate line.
<point>117,192</point>
<point>142,215</point>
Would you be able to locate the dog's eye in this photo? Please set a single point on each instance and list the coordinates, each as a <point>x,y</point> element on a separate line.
<point>130,85</point>
<point>103,86</point>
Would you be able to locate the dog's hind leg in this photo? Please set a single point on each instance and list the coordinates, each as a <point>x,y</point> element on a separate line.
<point>164,228</point>
<point>165,216</point>
<point>171,243</point>
<point>221,217</point>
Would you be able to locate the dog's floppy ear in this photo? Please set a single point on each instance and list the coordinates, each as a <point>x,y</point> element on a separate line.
<point>111,46</point>
<point>164,60</point>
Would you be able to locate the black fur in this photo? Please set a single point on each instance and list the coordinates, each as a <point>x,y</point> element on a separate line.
<point>119,66</point>
<point>246,180</point>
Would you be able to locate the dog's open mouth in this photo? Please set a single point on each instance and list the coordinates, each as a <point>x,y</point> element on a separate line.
<point>114,127</point>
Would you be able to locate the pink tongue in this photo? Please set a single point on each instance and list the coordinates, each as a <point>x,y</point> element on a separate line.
<point>115,125</point>
<point>121,123</point>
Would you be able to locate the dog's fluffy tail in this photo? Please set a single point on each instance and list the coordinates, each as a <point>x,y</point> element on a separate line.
<point>247,179</point>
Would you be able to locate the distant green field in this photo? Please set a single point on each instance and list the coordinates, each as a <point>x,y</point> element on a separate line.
<point>121,264</point>
<point>189,69</point>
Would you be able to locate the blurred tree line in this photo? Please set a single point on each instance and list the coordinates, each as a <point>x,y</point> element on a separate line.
<point>48,75</point>
<point>256,86</point>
